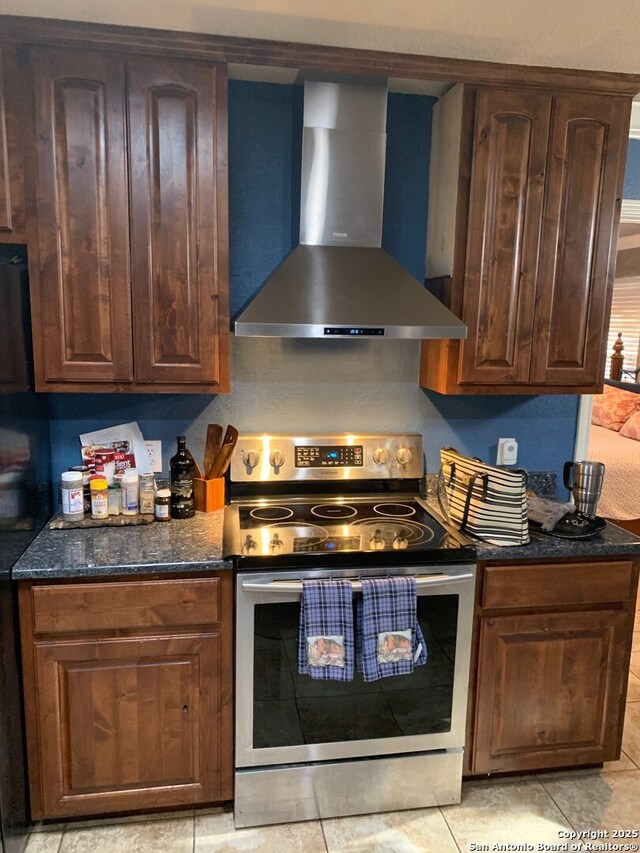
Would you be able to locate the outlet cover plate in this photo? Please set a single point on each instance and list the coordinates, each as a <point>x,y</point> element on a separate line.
<point>154,449</point>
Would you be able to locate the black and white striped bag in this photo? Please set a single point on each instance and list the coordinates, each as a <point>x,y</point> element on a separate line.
<point>482,500</point>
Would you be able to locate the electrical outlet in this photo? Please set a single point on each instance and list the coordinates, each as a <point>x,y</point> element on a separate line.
<point>154,449</point>
<point>507,451</point>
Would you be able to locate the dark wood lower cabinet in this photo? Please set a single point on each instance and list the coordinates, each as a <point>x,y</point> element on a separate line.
<point>119,723</point>
<point>552,665</point>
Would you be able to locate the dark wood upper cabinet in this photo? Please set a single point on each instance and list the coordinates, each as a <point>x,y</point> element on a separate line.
<point>505,205</point>
<point>12,162</point>
<point>130,281</point>
<point>532,220</point>
<point>177,150</point>
<point>83,266</point>
<point>582,208</point>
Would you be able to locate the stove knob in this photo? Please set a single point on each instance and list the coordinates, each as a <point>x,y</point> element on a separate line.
<point>376,543</point>
<point>276,459</point>
<point>250,546</point>
<point>250,458</point>
<point>404,456</point>
<point>380,456</point>
<point>400,542</point>
<point>276,546</point>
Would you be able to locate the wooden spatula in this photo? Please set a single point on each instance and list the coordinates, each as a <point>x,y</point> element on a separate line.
<point>223,458</point>
<point>212,446</point>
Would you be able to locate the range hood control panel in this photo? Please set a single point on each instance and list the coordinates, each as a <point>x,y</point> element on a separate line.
<point>264,458</point>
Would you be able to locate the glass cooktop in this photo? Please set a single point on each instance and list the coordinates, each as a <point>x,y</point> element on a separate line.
<point>377,526</point>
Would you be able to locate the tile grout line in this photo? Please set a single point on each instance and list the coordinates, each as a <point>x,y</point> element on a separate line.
<point>64,829</point>
<point>450,831</point>
<point>557,805</point>
<point>324,837</point>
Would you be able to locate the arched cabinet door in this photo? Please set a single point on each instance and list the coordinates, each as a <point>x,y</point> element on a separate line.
<point>81,276</point>
<point>505,206</point>
<point>177,149</point>
<point>130,279</point>
<point>534,239</point>
<point>580,223</point>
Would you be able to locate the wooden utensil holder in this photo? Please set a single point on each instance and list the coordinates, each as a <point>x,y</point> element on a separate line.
<point>209,495</point>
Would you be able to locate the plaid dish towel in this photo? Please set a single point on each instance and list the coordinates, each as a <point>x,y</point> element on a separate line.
<point>389,639</point>
<point>325,630</point>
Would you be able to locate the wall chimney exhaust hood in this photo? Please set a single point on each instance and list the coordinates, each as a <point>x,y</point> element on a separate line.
<point>338,282</point>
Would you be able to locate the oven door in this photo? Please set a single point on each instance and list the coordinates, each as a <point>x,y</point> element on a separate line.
<point>283,717</point>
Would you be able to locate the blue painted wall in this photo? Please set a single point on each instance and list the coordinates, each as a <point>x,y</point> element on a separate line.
<point>632,172</point>
<point>318,385</point>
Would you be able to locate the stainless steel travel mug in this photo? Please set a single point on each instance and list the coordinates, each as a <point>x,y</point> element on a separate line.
<point>586,484</point>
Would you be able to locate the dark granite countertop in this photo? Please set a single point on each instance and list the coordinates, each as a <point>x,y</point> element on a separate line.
<point>188,545</point>
<point>612,541</point>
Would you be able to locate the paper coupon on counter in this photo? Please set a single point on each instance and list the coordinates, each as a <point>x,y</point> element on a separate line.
<point>125,441</point>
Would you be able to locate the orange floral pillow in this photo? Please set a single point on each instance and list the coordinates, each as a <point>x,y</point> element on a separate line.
<point>631,427</point>
<point>612,408</point>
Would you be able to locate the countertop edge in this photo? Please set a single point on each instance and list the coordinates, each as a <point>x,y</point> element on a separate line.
<point>182,568</point>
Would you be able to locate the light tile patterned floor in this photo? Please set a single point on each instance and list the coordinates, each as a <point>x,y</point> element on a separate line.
<point>540,809</point>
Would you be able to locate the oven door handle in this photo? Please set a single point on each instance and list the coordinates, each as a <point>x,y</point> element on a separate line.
<point>296,586</point>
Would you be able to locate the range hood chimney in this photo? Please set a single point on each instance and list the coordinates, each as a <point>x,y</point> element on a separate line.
<point>338,282</point>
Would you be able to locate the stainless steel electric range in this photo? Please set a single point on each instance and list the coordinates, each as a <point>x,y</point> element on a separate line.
<point>342,506</point>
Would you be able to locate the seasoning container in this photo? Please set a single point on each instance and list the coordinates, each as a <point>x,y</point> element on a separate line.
<point>163,505</point>
<point>129,487</point>
<point>147,494</point>
<point>86,491</point>
<point>114,499</point>
<point>99,499</point>
<point>72,497</point>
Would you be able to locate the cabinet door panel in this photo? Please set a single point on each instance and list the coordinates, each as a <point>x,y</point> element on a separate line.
<point>579,230</point>
<point>547,685</point>
<point>128,724</point>
<point>507,188</point>
<point>82,217</point>
<point>175,227</point>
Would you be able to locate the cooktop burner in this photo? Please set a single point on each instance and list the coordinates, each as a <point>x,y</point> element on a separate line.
<point>331,511</point>
<point>271,513</point>
<point>396,510</point>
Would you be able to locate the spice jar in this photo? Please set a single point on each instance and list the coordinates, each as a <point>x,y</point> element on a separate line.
<point>129,492</point>
<point>114,499</point>
<point>71,494</point>
<point>99,499</point>
<point>147,494</point>
<point>86,491</point>
<point>163,505</point>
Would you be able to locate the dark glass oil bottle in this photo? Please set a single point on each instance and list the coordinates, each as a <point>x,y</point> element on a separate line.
<point>182,472</point>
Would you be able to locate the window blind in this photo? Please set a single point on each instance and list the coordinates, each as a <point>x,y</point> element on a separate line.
<point>625,318</point>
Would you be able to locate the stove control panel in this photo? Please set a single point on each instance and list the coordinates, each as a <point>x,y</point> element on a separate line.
<point>271,458</point>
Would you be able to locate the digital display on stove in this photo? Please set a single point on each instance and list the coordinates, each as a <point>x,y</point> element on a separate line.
<point>302,544</point>
<point>329,456</point>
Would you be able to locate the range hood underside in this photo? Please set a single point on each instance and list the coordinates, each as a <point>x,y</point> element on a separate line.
<point>335,291</point>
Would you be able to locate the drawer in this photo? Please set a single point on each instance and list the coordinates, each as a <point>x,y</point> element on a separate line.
<point>556,584</point>
<point>96,607</point>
